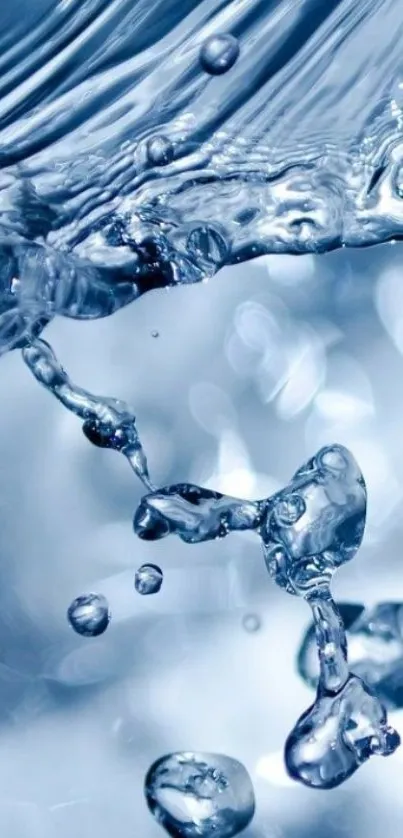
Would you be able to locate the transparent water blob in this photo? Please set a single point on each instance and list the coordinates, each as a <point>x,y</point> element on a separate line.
<point>219,53</point>
<point>89,615</point>
<point>198,795</point>
<point>148,579</point>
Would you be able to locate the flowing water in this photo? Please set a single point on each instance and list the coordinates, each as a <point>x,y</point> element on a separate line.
<point>126,166</point>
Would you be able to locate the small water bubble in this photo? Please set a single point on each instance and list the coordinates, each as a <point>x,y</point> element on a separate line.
<point>89,615</point>
<point>251,623</point>
<point>219,53</point>
<point>148,579</point>
<point>160,151</point>
<point>193,795</point>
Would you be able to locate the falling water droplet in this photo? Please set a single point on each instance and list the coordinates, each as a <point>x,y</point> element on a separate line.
<point>89,615</point>
<point>219,53</point>
<point>251,623</point>
<point>193,795</point>
<point>160,151</point>
<point>148,579</point>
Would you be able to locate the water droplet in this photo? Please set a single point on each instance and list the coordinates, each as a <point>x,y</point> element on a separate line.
<point>251,623</point>
<point>219,53</point>
<point>89,615</point>
<point>160,151</point>
<point>193,795</point>
<point>148,579</point>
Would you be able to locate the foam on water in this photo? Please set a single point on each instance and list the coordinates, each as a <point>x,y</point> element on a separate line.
<point>297,147</point>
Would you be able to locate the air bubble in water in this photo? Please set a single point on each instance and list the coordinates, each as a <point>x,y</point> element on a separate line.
<point>251,623</point>
<point>219,53</point>
<point>193,795</point>
<point>89,615</point>
<point>148,579</point>
<point>160,151</point>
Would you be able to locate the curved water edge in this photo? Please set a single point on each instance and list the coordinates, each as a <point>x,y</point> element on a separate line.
<point>297,148</point>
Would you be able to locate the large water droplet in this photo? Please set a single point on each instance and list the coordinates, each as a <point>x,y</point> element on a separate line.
<point>89,615</point>
<point>200,795</point>
<point>148,579</point>
<point>219,53</point>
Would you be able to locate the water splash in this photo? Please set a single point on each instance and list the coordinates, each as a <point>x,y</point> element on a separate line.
<point>375,644</point>
<point>298,147</point>
<point>308,529</point>
<point>193,795</point>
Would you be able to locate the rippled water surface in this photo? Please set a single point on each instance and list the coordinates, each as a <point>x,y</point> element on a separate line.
<point>297,148</point>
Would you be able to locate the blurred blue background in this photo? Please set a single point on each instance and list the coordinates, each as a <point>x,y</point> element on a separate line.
<point>250,374</point>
